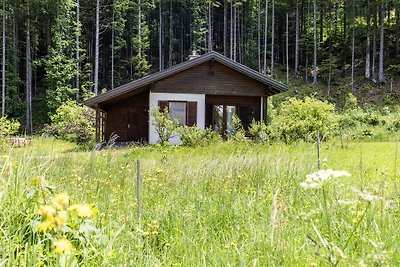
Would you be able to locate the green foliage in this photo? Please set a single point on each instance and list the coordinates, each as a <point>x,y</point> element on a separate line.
<point>7,128</point>
<point>259,131</point>
<point>192,136</point>
<point>73,122</point>
<point>301,119</point>
<point>239,133</point>
<point>164,126</point>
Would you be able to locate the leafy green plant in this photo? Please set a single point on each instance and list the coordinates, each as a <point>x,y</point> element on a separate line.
<point>259,131</point>
<point>74,123</point>
<point>164,126</point>
<point>301,119</point>
<point>193,136</point>
<point>7,128</point>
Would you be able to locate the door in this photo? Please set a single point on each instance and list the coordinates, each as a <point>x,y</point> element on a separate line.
<point>132,126</point>
<point>223,119</point>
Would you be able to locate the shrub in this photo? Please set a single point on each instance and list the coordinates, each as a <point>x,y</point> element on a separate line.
<point>165,127</point>
<point>301,119</point>
<point>73,122</point>
<point>193,136</point>
<point>239,133</point>
<point>259,131</point>
<point>7,128</point>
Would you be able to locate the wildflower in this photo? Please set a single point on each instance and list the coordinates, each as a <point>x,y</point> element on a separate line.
<point>47,211</point>
<point>317,179</point>
<point>63,246</point>
<point>145,233</point>
<point>40,180</point>
<point>83,210</point>
<point>61,218</point>
<point>46,226</point>
<point>61,201</point>
<point>367,196</point>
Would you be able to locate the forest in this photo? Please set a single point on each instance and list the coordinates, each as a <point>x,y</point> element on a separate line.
<point>57,50</point>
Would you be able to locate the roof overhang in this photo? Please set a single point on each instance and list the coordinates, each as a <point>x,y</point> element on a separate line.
<point>276,86</point>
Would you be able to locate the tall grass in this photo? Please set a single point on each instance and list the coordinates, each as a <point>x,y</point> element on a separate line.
<point>230,204</point>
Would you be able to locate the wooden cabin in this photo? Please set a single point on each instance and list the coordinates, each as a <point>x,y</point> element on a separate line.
<point>205,91</point>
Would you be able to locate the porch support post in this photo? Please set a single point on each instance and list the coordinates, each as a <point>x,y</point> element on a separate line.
<point>98,126</point>
<point>262,110</point>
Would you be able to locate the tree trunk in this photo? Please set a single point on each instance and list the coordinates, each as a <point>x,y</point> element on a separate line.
<point>28,79</point>
<point>97,46</point>
<point>296,50</point>
<point>368,45</point>
<point>112,46</point>
<point>265,36</point>
<point>231,33</point>
<point>3,69</point>
<point>382,79</point>
<point>225,28</point>
<point>308,26</point>
<point>397,29</point>
<point>259,34</point>
<point>139,30</point>
<point>315,44</point>
<point>78,31</point>
<point>160,40</point>
<point>374,46</point>
<point>272,38</point>
<point>210,46</point>
<point>352,52</point>
<point>287,48</point>
<point>171,33</point>
<point>234,30</point>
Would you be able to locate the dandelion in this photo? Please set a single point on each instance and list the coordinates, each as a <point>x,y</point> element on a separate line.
<point>46,226</point>
<point>63,246</point>
<point>61,201</point>
<point>317,179</point>
<point>83,210</point>
<point>47,211</point>
<point>61,218</point>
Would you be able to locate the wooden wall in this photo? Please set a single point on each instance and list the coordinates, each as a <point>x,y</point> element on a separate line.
<point>211,78</point>
<point>132,111</point>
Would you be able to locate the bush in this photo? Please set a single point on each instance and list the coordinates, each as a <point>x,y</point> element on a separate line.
<point>7,128</point>
<point>193,136</point>
<point>74,123</point>
<point>301,119</point>
<point>165,127</point>
<point>259,131</point>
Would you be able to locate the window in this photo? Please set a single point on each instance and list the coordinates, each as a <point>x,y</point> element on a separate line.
<point>177,111</point>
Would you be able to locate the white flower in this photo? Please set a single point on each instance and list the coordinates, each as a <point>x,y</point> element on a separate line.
<point>348,202</point>
<point>317,179</point>
<point>367,196</point>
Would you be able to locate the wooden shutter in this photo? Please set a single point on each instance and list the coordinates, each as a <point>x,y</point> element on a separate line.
<point>191,113</point>
<point>162,105</point>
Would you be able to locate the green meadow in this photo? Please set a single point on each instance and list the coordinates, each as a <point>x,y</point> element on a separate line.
<point>227,204</point>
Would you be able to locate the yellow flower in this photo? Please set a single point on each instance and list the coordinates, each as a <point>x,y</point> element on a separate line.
<point>146,233</point>
<point>61,201</point>
<point>46,226</point>
<point>61,218</point>
<point>39,180</point>
<point>83,210</point>
<point>47,211</point>
<point>63,246</point>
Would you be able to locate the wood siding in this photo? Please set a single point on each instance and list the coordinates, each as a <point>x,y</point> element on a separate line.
<point>211,78</point>
<point>129,118</point>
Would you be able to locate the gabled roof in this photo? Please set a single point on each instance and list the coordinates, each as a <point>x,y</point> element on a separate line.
<point>129,87</point>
